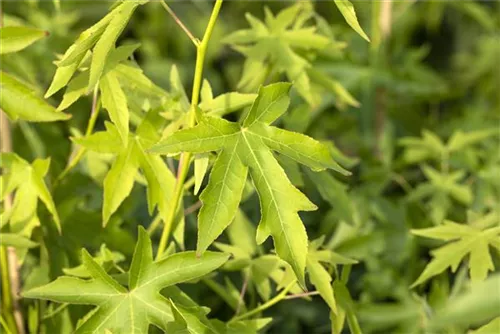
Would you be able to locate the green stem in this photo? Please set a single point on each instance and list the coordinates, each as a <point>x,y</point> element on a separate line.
<point>186,157</point>
<point>4,325</point>
<point>6,295</point>
<point>279,297</point>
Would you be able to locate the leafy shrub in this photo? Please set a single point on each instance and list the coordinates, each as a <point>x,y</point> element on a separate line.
<point>318,179</point>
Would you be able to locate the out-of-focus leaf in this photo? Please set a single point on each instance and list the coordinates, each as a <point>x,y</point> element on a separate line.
<point>19,101</point>
<point>14,39</point>
<point>347,10</point>
<point>477,305</point>
<point>465,239</point>
<point>16,240</point>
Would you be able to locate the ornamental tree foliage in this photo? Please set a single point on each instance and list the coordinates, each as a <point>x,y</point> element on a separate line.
<point>249,167</point>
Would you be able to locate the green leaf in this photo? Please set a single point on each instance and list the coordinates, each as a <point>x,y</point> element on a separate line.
<point>76,89</point>
<point>460,140</point>
<point>321,279</point>
<point>20,102</point>
<point>108,141</point>
<point>226,103</point>
<point>28,182</point>
<point>335,193</point>
<point>120,180</point>
<point>115,102</point>
<point>475,306</point>
<point>64,73</point>
<point>492,327</point>
<point>278,47</point>
<point>464,239</point>
<point>108,39</point>
<point>248,147</point>
<point>241,232</point>
<point>161,181</point>
<point>347,9</point>
<point>16,240</point>
<point>222,196</point>
<point>86,40</point>
<point>13,39</point>
<point>200,169</point>
<point>133,309</point>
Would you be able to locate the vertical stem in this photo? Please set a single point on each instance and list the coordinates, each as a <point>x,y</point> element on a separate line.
<point>186,157</point>
<point>374,117</point>
<point>384,28</point>
<point>8,257</point>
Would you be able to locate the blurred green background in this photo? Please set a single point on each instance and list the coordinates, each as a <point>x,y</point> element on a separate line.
<point>434,73</point>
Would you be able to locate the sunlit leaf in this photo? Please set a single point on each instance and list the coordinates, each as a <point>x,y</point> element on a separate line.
<point>133,309</point>
<point>246,148</point>
<point>13,39</point>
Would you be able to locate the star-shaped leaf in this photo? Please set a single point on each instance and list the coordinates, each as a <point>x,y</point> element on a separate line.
<point>132,309</point>
<point>28,182</point>
<point>278,44</point>
<point>246,147</point>
<point>120,179</point>
<point>474,239</point>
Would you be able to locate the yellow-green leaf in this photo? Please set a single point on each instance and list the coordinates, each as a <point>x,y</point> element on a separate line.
<point>347,10</point>
<point>14,39</point>
<point>20,102</point>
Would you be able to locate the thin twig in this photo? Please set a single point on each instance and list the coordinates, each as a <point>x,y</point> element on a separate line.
<point>242,293</point>
<point>279,297</point>
<point>302,295</point>
<point>189,210</point>
<point>193,39</point>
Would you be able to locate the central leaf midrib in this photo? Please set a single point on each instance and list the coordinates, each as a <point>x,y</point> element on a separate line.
<point>272,194</point>
<point>223,185</point>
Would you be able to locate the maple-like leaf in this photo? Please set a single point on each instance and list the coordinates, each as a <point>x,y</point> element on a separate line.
<point>474,239</point>
<point>27,180</point>
<point>247,147</point>
<point>120,179</point>
<point>279,44</point>
<point>132,309</point>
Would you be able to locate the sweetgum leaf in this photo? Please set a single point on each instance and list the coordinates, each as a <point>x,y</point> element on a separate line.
<point>277,44</point>
<point>16,240</point>
<point>14,39</point>
<point>246,147</point>
<point>108,39</point>
<point>115,102</point>
<point>464,239</point>
<point>28,182</point>
<point>347,10</point>
<point>133,309</point>
<point>20,102</point>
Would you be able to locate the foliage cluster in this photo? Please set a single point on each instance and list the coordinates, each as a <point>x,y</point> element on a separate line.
<point>293,172</point>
